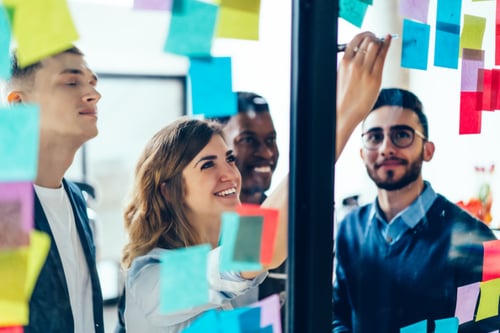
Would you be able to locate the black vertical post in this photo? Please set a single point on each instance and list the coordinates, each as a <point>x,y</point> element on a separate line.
<point>312,159</point>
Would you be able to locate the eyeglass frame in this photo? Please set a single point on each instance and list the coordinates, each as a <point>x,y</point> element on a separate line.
<point>400,127</point>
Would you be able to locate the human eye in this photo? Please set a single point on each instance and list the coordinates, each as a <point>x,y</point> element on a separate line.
<point>374,137</point>
<point>231,159</point>
<point>271,140</point>
<point>206,165</point>
<point>248,140</point>
<point>403,134</point>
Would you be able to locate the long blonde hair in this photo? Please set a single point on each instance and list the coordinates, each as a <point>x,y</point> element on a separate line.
<point>152,219</point>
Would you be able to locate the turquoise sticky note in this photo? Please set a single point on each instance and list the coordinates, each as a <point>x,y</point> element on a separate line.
<point>5,36</point>
<point>420,327</point>
<point>192,29</point>
<point>206,322</point>
<point>447,325</point>
<point>229,320</point>
<point>353,11</point>
<point>449,11</point>
<point>415,45</point>
<point>248,239</point>
<point>211,87</point>
<point>229,234</point>
<point>177,267</point>
<point>250,320</point>
<point>19,137</point>
<point>447,46</point>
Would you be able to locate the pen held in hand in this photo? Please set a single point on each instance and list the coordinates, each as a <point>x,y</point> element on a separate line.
<point>342,47</point>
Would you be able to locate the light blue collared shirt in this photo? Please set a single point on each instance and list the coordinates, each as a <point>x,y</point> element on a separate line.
<point>407,219</point>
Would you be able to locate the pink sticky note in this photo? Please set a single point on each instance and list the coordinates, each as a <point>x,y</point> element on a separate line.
<point>153,4</point>
<point>487,79</point>
<point>270,312</point>
<point>414,9</point>
<point>491,260</point>
<point>12,329</point>
<point>472,61</point>
<point>497,36</point>
<point>470,113</point>
<point>466,302</point>
<point>16,212</point>
<point>495,86</point>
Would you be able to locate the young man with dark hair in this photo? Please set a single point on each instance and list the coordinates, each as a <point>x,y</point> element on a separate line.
<point>67,295</point>
<point>401,258</point>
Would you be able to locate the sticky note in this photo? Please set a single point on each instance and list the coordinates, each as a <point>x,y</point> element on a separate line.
<point>495,87</point>
<point>248,239</point>
<point>12,329</point>
<point>206,322</point>
<point>13,275</point>
<point>467,297</point>
<point>250,320</point>
<point>447,325</point>
<point>269,230</point>
<point>414,9</point>
<point>497,36</point>
<point>5,36</point>
<point>470,113</point>
<point>41,29</point>
<point>19,132</point>
<point>16,210</point>
<point>38,250</point>
<point>211,87</point>
<point>177,267</point>
<point>473,32</point>
<point>488,300</point>
<point>472,62</point>
<point>192,29</point>
<point>415,45</point>
<point>229,232</point>
<point>449,12</point>
<point>487,83</point>
<point>420,327</point>
<point>229,321</point>
<point>239,19</point>
<point>153,4</point>
<point>270,315</point>
<point>491,260</point>
<point>353,11</point>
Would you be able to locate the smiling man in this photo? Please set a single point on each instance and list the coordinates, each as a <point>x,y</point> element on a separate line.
<point>67,295</point>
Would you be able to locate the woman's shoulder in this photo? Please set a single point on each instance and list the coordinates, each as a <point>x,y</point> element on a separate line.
<point>150,260</point>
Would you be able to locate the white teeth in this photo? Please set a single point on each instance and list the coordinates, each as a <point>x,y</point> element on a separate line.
<point>262,169</point>
<point>226,192</point>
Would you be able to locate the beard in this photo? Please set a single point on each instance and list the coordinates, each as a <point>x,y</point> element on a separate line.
<point>389,183</point>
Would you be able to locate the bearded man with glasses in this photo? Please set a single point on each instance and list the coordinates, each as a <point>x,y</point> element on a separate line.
<point>400,259</point>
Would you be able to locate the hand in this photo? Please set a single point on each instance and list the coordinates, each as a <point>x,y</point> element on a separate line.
<point>358,82</point>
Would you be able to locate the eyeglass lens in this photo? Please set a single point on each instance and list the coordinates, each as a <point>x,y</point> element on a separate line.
<point>401,137</point>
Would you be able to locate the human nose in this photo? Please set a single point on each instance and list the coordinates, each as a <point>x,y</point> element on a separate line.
<point>92,95</point>
<point>230,172</point>
<point>265,151</point>
<point>387,147</point>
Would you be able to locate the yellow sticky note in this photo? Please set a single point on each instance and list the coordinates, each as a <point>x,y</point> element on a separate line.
<point>38,250</point>
<point>42,28</point>
<point>472,32</point>
<point>13,302</point>
<point>488,299</point>
<point>239,19</point>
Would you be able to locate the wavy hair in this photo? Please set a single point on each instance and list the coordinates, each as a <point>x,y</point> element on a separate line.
<point>151,218</point>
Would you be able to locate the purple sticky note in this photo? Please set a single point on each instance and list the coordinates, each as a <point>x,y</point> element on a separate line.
<point>270,312</point>
<point>414,9</point>
<point>153,4</point>
<point>466,302</point>
<point>472,61</point>
<point>16,214</point>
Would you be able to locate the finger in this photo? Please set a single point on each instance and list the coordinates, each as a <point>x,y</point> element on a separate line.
<point>363,49</point>
<point>379,61</point>
<point>354,45</point>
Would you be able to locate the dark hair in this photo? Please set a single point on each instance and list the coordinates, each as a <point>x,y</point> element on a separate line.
<point>19,72</point>
<point>404,99</point>
<point>247,101</point>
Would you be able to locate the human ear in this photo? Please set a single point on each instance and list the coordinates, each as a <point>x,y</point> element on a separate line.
<point>15,97</point>
<point>164,191</point>
<point>429,149</point>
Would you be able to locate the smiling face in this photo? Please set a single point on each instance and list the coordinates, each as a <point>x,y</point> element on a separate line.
<point>212,183</point>
<point>65,89</point>
<point>391,167</point>
<point>253,138</point>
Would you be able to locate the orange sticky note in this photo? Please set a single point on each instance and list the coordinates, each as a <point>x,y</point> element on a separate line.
<point>269,228</point>
<point>491,260</point>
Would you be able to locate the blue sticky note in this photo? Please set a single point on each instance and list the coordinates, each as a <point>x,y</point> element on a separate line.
<point>415,45</point>
<point>192,29</point>
<point>420,327</point>
<point>248,239</point>
<point>447,325</point>
<point>5,36</point>
<point>228,237</point>
<point>207,322</point>
<point>267,329</point>
<point>353,11</point>
<point>250,321</point>
<point>19,137</point>
<point>211,87</point>
<point>177,267</point>
<point>229,320</point>
<point>447,47</point>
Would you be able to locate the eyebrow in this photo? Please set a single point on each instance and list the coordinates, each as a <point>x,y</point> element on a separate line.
<point>77,72</point>
<point>211,157</point>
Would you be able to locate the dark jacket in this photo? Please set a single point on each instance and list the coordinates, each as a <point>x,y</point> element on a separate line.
<point>50,308</point>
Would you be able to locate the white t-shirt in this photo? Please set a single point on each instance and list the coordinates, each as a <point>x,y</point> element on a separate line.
<point>57,208</point>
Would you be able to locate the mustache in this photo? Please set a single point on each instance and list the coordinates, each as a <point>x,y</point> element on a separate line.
<point>400,160</point>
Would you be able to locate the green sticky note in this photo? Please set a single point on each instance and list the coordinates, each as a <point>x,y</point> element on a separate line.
<point>42,28</point>
<point>19,136</point>
<point>4,44</point>
<point>488,299</point>
<point>248,239</point>
<point>239,19</point>
<point>177,267</point>
<point>472,32</point>
<point>353,11</point>
<point>192,28</point>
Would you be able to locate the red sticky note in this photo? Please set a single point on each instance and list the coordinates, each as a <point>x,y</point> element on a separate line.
<point>12,329</point>
<point>470,112</point>
<point>497,36</point>
<point>491,260</point>
<point>269,228</point>
<point>495,85</point>
<point>487,77</point>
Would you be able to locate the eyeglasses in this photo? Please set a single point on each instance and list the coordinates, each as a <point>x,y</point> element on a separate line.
<point>402,136</point>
